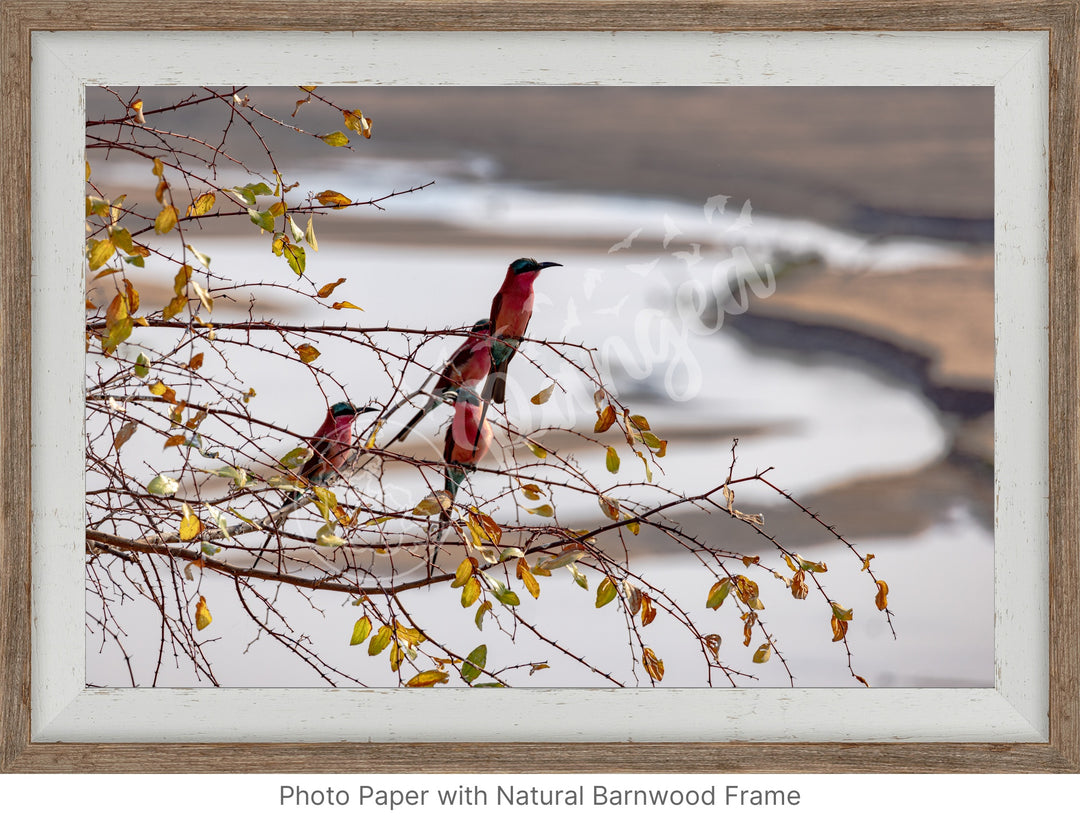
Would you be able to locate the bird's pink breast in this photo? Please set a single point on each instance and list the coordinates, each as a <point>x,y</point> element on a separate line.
<point>465,427</point>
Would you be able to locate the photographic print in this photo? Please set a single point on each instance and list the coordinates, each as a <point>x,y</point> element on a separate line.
<point>557,386</point>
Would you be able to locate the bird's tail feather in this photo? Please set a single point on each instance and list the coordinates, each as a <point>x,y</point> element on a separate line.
<point>495,387</point>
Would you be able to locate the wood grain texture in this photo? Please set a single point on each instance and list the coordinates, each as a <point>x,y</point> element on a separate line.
<point>14,388</point>
<point>18,18</point>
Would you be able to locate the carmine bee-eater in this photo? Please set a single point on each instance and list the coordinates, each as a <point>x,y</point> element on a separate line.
<point>467,365</point>
<point>331,446</point>
<point>511,310</point>
<point>467,442</point>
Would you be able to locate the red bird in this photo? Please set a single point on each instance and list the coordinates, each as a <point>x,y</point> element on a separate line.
<point>511,310</point>
<point>467,442</point>
<point>331,445</point>
<point>467,365</point>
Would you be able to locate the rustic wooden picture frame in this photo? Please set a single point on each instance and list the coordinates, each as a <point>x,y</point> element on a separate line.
<point>1059,18</point>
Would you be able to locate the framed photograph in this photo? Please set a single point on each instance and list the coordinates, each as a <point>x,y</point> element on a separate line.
<point>556,387</point>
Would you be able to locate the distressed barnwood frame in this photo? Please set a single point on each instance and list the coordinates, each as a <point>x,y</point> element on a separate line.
<point>1060,18</point>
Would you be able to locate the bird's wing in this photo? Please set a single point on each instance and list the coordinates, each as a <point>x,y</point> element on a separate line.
<point>496,306</point>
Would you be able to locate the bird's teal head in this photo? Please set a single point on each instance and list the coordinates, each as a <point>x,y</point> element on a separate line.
<point>481,325</point>
<point>343,409</point>
<point>522,266</point>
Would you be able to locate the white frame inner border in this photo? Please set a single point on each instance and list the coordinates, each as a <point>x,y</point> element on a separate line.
<point>1015,63</point>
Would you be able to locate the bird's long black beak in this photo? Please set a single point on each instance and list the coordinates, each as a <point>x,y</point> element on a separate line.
<point>542,265</point>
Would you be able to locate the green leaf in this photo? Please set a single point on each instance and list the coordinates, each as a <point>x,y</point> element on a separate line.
<point>259,188</point>
<point>218,517</point>
<point>244,194</point>
<point>142,365</point>
<point>360,632</point>
<point>605,593</point>
<point>238,476</point>
<point>484,608</point>
<point>718,593</point>
<point>163,486</point>
<point>296,458</point>
<point>265,219</point>
<point>612,460</point>
<point>117,334</point>
<point>295,231</point>
<point>474,664</point>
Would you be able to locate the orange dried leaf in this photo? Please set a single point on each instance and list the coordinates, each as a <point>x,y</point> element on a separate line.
<point>605,421</point>
<point>881,599</point>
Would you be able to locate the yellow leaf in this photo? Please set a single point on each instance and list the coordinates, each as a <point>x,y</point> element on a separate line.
<point>464,572</point>
<point>307,353</point>
<point>190,525</point>
<point>343,305</point>
<point>100,252</point>
<point>309,235</point>
<point>160,389</point>
<point>335,139</point>
<point>360,631</point>
<point>175,307</point>
<point>328,288</point>
<point>762,653</point>
<point>277,209</point>
<point>196,362</point>
<point>381,639</point>
<point>118,309</point>
<point>175,440</point>
<point>541,397</point>
<point>470,592</point>
<point>166,220</point>
<point>332,198</point>
<point>866,561</point>
<point>159,168</point>
<point>87,170</point>
<point>536,449</point>
<point>202,614</point>
<point>527,578</point>
<point>433,504</point>
<point>121,239</point>
<point>202,205</point>
<point>881,600</point>
<point>428,678</point>
<point>204,297</point>
<point>547,510</point>
<point>356,121</point>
